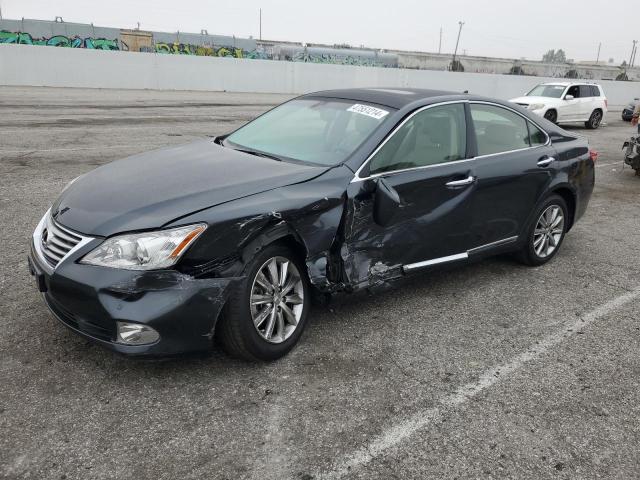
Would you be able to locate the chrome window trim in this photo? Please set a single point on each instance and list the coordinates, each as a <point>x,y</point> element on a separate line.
<point>458,256</point>
<point>358,178</point>
<point>37,243</point>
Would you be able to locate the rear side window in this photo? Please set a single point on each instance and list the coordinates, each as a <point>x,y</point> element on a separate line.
<point>595,91</point>
<point>586,91</point>
<point>432,136</point>
<point>498,129</point>
<point>536,136</point>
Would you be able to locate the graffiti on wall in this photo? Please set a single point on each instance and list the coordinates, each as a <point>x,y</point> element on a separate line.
<point>335,59</point>
<point>23,38</point>
<point>177,48</point>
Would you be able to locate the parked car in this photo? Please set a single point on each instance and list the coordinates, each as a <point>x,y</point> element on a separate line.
<point>627,112</point>
<point>341,190</point>
<point>567,102</point>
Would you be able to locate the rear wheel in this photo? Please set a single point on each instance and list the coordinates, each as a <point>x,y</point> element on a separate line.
<point>595,120</point>
<point>551,115</point>
<point>267,312</point>
<point>547,232</point>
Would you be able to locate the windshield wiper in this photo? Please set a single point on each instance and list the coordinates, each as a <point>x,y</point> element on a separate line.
<point>258,153</point>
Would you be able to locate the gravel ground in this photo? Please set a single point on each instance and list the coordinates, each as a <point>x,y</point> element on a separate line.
<point>493,370</point>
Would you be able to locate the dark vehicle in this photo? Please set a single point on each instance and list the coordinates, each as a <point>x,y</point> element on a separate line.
<point>632,153</point>
<point>341,190</point>
<point>627,112</point>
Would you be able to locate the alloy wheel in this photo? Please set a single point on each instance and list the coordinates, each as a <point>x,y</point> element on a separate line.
<point>596,118</point>
<point>277,299</point>
<point>549,231</point>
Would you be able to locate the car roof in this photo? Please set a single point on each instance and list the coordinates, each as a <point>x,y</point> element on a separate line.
<point>391,97</point>
<point>567,84</point>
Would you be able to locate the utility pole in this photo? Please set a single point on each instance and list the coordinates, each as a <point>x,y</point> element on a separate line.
<point>260,25</point>
<point>440,44</point>
<point>633,57</point>
<point>632,52</point>
<point>455,52</point>
<point>598,58</point>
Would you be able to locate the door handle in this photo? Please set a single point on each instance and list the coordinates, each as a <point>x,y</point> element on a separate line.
<point>545,162</point>
<point>461,183</point>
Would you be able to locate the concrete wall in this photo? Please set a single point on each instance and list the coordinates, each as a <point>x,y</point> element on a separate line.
<point>67,67</point>
<point>434,61</point>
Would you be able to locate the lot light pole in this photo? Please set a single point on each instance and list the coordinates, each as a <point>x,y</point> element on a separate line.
<point>260,36</point>
<point>455,52</point>
<point>633,49</point>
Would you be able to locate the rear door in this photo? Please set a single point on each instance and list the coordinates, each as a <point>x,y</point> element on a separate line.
<point>425,161</point>
<point>515,162</point>
<point>587,102</point>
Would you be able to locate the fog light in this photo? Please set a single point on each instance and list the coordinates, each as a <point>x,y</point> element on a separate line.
<point>136,334</point>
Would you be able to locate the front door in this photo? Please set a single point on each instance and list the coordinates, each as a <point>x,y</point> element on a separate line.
<point>571,108</point>
<point>425,161</point>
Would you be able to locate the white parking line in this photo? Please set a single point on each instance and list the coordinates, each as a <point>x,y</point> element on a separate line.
<point>407,427</point>
<point>609,164</point>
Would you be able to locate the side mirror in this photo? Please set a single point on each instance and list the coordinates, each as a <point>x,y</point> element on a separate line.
<point>569,97</point>
<point>386,202</point>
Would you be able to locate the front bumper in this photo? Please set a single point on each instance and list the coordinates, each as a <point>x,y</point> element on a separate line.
<point>90,300</point>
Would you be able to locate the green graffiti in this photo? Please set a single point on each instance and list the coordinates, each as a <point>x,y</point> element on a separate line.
<point>22,38</point>
<point>199,50</point>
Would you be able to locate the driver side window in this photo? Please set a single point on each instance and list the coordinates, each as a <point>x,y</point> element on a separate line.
<point>432,136</point>
<point>575,91</point>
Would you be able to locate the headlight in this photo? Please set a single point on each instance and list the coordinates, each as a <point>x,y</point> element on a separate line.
<point>536,106</point>
<point>144,251</point>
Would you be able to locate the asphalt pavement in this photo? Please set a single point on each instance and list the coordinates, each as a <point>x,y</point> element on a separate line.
<point>492,370</point>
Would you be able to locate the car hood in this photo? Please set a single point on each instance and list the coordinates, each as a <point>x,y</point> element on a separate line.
<point>152,189</point>
<point>531,100</point>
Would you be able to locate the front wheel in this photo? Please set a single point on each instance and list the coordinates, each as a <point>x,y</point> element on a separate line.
<point>265,316</point>
<point>594,121</point>
<point>547,232</point>
<point>551,115</point>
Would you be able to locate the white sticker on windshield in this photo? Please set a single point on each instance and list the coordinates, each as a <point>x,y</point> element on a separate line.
<point>372,112</point>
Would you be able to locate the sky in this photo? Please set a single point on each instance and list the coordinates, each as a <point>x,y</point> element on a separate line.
<point>496,28</point>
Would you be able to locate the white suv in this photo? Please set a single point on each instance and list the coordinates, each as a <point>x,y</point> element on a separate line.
<point>566,102</point>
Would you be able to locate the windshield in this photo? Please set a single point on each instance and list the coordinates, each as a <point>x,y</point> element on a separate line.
<point>553,91</point>
<point>318,131</point>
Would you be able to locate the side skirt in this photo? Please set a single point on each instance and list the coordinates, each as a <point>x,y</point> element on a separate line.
<point>459,256</point>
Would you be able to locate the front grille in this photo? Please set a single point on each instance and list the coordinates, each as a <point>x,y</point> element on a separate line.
<point>57,242</point>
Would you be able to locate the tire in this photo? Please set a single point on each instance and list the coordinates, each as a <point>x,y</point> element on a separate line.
<point>236,331</point>
<point>551,115</point>
<point>532,254</point>
<point>594,120</point>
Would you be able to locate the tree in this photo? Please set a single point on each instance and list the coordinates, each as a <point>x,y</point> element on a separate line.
<point>555,56</point>
<point>549,56</point>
